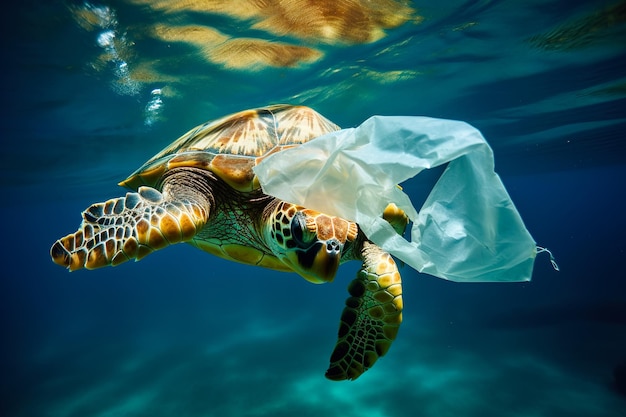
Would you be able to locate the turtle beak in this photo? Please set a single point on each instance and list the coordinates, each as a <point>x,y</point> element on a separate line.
<point>319,262</point>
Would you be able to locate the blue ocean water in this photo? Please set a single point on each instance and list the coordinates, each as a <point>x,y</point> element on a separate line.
<point>93,89</point>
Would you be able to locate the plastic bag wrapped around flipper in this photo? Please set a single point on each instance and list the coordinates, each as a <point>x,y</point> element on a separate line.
<point>468,229</point>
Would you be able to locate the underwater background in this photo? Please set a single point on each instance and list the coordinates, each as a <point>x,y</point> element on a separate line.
<point>91,90</point>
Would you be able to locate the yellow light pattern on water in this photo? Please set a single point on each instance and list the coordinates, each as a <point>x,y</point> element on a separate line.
<point>244,36</point>
<point>341,21</point>
<point>239,53</point>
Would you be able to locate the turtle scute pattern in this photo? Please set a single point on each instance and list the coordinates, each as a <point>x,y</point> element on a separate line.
<point>231,146</point>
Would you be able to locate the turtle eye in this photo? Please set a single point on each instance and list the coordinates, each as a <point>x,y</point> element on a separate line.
<point>299,231</point>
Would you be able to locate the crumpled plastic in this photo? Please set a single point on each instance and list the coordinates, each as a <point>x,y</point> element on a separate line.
<point>468,229</point>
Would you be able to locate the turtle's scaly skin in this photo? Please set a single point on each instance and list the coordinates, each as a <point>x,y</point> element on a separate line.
<point>375,307</point>
<point>202,190</point>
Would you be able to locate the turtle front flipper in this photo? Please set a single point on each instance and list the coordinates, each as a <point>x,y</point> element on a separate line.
<point>127,228</point>
<point>371,318</point>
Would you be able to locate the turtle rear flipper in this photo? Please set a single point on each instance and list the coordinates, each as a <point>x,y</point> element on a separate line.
<point>371,318</point>
<point>127,228</point>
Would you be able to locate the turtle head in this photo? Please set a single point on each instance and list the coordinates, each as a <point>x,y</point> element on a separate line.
<point>309,242</point>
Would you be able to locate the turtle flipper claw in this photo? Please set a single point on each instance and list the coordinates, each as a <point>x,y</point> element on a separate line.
<point>371,318</point>
<point>128,227</point>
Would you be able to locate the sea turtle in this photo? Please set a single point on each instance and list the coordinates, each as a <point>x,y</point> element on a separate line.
<point>202,190</point>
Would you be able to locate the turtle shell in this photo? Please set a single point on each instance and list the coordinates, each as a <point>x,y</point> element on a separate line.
<point>231,146</point>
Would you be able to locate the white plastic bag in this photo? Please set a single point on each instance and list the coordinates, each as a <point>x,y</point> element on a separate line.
<point>467,230</point>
